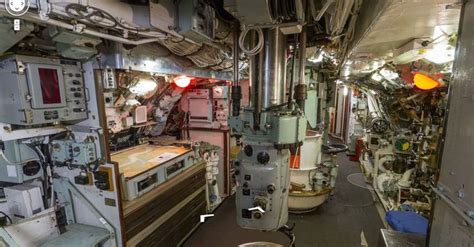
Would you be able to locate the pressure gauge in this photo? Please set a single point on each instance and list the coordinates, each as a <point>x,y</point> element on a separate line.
<point>17,7</point>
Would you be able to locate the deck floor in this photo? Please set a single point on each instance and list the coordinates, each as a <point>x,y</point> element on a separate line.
<point>339,222</point>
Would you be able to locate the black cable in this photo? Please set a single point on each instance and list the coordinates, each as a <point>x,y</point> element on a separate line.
<point>8,217</point>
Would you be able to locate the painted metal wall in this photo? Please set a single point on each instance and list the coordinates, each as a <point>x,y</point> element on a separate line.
<point>454,210</point>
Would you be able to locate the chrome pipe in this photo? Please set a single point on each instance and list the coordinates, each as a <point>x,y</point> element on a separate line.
<point>273,68</point>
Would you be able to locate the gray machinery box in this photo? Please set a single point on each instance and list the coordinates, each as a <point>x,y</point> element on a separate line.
<point>15,170</point>
<point>37,90</point>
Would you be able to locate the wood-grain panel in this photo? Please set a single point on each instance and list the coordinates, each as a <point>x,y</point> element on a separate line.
<point>178,226</point>
<point>164,198</point>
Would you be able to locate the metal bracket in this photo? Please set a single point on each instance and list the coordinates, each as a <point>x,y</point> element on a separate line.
<point>68,190</point>
<point>21,67</point>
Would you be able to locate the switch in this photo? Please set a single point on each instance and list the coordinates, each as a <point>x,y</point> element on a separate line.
<point>246,214</point>
<point>78,110</point>
<point>81,179</point>
<point>102,180</point>
<point>76,82</point>
<point>77,95</point>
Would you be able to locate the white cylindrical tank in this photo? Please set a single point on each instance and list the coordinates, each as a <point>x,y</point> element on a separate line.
<point>309,196</point>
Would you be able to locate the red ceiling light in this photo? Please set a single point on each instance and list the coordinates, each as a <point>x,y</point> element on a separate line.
<point>182,81</point>
<point>425,82</point>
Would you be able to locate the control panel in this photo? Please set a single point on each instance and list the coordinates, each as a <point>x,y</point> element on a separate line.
<point>109,79</point>
<point>38,90</point>
<point>208,107</point>
<point>71,152</point>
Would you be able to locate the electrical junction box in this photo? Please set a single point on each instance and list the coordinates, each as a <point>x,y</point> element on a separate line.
<point>24,200</point>
<point>74,45</point>
<point>208,108</point>
<point>77,153</point>
<point>196,20</point>
<point>250,12</point>
<point>140,114</point>
<point>61,150</point>
<point>83,153</point>
<point>109,79</point>
<point>37,90</point>
<point>10,37</point>
<point>220,92</point>
<point>127,122</point>
<point>200,107</point>
<point>12,171</point>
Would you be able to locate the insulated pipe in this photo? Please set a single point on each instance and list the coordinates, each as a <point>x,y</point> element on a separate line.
<point>259,91</point>
<point>274,68</point>
<point>254,82</point>
<point>236,89</point>
<point>301,89</point>
<point>293,72</point>
<point>253,76</point>
<point>302,56</point>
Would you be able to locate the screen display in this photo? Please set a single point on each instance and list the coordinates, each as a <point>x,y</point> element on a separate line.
<point>50,89</point>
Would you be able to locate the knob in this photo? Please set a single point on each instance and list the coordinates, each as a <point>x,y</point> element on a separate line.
<point>248,150</point>
<point>263,158</point>
<point>76,82</point>
<point>78,95</point>
<point>270,189</point>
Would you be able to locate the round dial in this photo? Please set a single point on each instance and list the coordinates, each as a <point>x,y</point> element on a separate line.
<point>17,7</point>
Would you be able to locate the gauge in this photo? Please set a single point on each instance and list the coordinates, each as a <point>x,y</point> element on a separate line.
<point>17,7</point>
<point>380,126</point>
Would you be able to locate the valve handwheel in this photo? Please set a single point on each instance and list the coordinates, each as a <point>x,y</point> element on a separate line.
<point>380,126</point>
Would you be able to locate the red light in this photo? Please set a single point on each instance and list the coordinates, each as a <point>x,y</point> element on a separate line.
<point>425,82</point>
<point>182,81</point>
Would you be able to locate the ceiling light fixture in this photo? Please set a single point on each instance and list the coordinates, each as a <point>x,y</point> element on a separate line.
<point>182,81</point>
